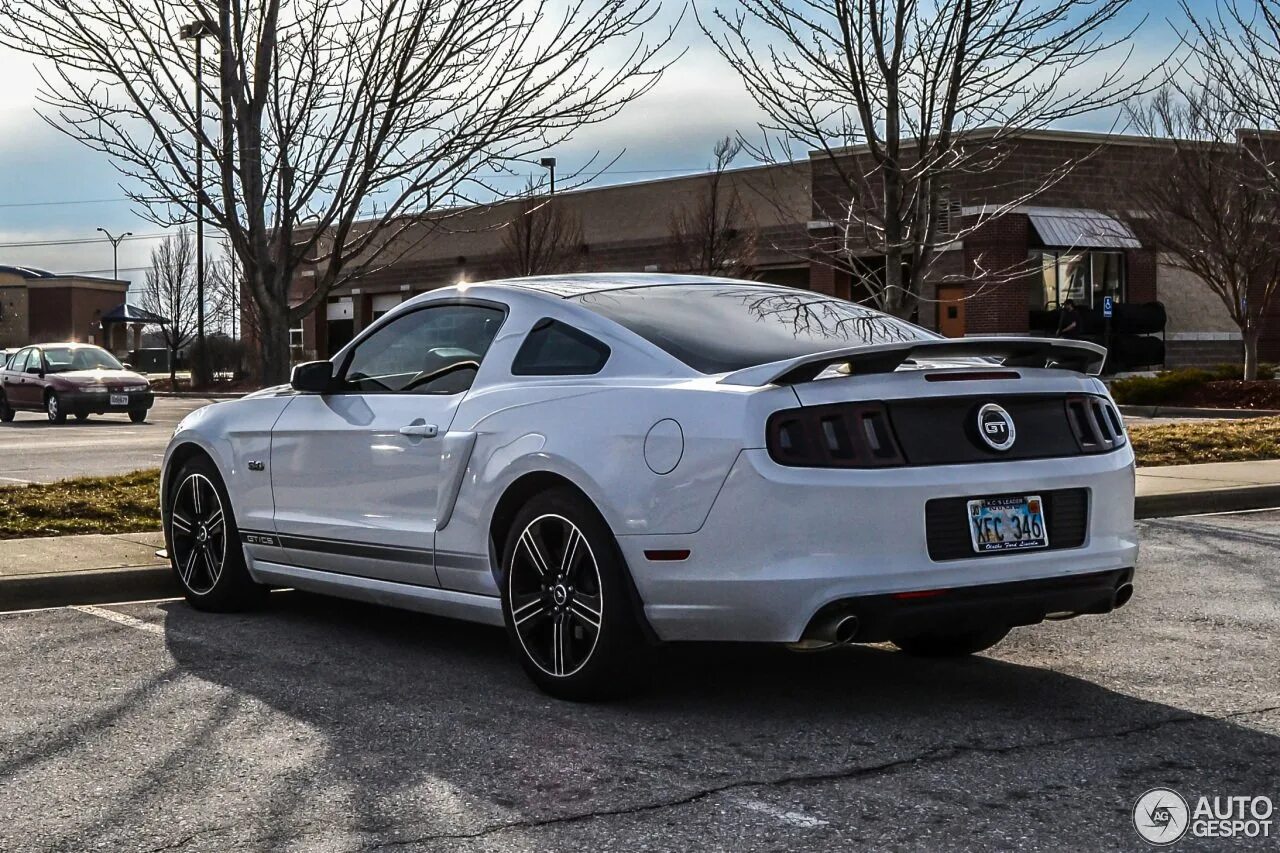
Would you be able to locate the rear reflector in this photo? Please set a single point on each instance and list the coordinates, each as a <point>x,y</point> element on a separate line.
<point>672,555</point>
<point>919,593</point>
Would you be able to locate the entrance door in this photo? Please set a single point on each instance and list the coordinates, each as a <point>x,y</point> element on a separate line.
<point>356,473</point>
<point>951,310</point>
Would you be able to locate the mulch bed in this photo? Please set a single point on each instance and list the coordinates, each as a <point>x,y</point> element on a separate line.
<point>1259,394</point>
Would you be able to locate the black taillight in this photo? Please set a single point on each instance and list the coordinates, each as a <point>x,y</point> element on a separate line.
<point>1096,423</point>
<point>843,435</point>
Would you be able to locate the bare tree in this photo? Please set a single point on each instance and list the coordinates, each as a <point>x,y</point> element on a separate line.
<point>1209,208</point>
<point>542,237</point>
<point>907,84</point>
<point>170,291</point>
<point>328,123</point>
<point>715,233</point>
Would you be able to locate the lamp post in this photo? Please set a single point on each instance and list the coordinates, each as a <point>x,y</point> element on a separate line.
<point>549,163</point>
<point>196,31</point>
<point>115,251</point>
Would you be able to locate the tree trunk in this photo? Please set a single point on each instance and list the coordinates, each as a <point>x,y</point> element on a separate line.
<point>173,367</point>
<point>1250,335</point>
<point>273,345</point>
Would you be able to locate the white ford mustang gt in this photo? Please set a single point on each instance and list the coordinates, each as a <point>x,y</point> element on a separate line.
<point>600,462</point>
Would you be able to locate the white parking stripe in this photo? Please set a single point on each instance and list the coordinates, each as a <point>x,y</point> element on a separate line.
<point>793,818</point>
<point>120,618</point>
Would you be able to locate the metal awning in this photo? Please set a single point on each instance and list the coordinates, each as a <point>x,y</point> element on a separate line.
<point>1079,228</point>
<point>126,313</point>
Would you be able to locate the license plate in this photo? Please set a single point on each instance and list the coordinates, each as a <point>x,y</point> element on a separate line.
<point>1008,524</point>
<point>119,399</point>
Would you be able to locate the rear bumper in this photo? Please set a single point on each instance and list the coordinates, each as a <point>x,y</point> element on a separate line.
<point>781,544</point>
<point>99,404</point>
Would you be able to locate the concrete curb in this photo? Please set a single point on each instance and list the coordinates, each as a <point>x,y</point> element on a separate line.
<point>1232,499</point>
<point>1188,412</point>
<point>94,586</point>
<point>196,395</point>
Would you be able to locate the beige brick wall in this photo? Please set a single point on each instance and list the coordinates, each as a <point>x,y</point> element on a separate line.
<point>13,316</point>
<point>1191,305</point>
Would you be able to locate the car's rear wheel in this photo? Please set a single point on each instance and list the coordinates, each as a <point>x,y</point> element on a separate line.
<point>137,416</point>
<point>566,601</point>
<point>204,542</point>
<point>945,644</point>
<point>53,408</point>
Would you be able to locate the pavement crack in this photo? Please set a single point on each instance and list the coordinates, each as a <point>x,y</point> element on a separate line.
<point>936,755</point>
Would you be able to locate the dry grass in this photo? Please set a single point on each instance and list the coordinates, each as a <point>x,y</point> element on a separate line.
<point>122,504</point>
<point>1206,441</point>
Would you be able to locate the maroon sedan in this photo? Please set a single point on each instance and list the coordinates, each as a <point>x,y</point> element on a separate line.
<point>71,379</point>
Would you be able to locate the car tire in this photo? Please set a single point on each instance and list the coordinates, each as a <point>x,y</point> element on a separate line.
<point>204,542</point>
<point>7,414</point>
<point>949,644</point>
<point>53,408</point>
<point>567,600</point>
<point>137,416</point>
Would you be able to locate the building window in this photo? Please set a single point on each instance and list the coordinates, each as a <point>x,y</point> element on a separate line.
<point>1083,277</point>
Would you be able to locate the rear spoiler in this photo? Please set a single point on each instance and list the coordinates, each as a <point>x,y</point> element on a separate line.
<point>1080,356</point>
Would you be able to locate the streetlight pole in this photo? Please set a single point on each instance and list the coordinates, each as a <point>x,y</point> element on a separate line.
<point>115,251</point>
<point>196,31</point>
<point>549,163</point>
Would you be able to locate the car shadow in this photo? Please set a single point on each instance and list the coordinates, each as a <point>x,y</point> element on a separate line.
<point>405,723</point>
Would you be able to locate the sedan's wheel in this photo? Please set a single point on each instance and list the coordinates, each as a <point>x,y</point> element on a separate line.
<point>566,599</point>
<point>204,542</point>
<point>53,408</point>
<point>137,416</point>
<point>944,644</point>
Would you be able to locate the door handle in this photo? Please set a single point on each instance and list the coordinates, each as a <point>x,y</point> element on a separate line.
<point>420,430</point>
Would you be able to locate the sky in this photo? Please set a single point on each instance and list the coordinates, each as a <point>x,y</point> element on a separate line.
<point>53,189</point>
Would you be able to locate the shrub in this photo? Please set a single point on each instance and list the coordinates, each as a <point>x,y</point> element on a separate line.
<point>1235,372</point>
<point>1169,386</point>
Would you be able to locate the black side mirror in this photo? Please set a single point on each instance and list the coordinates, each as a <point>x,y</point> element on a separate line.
<point>35,371</point>
<point>313,376</point>
<point>127,366</point>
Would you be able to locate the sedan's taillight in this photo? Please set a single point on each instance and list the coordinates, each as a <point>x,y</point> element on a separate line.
<point>1096,423</point>
<point>843,435</point>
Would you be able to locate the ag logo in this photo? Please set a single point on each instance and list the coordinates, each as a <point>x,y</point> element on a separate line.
<point>1161,816</point>
<point>995,427</point>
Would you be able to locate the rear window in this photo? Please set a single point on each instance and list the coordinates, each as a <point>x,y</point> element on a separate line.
<point>555,349</point>
<point>717,328</point>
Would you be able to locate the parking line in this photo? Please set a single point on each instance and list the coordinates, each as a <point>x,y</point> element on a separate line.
<point>794,818</point>
<point>120,618</point>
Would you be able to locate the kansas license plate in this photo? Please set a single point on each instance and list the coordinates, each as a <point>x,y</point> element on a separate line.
<point>1008,524</point>
<point>119,399</point>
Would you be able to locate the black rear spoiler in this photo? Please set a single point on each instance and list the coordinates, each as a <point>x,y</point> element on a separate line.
<point>1080,356</point>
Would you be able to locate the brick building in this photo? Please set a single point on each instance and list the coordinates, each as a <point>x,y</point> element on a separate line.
<point>1068,242</point>
<point>42,307</point>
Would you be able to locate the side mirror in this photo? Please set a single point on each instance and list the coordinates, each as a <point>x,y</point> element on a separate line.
<point>315,377</point>
<point>35,371</point>
<point>126,365</point>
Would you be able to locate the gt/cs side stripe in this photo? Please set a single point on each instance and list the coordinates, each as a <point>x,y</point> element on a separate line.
<point>421,556</point>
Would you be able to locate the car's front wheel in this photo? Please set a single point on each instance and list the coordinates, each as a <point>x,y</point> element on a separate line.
<point>204,542</point>
<point>566,600</point>
<point>7,414</point>
<point>53,408</point>
<point>945,644</point>
<point>137,416</point>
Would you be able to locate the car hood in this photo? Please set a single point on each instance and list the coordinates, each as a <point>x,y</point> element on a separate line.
<point>100,377</point>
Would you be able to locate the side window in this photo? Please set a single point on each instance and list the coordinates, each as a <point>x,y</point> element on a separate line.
<point>553,348</point>
<point>430,351</point>
<point>22,359</point>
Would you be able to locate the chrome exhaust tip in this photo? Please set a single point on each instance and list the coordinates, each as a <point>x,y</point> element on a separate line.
<point>829,632</point>
<point>1124,592</point>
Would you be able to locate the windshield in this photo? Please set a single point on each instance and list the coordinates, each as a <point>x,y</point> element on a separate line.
<point>717,328</point>
<point>62,359</point>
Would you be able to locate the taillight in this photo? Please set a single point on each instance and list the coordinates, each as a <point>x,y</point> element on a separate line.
<point>1096,423</point>
<point>843,435</point>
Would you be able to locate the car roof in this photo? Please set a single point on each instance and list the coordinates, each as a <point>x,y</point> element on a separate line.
<point>579,284</point>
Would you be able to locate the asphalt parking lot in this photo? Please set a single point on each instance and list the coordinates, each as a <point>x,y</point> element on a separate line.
<point>32,450</point>
<point>321,725</point>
